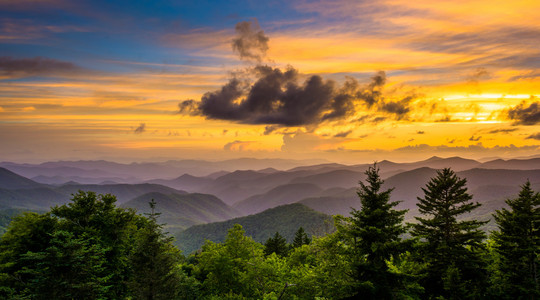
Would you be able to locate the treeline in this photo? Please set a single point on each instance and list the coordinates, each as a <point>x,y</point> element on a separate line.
<point>91,249</point>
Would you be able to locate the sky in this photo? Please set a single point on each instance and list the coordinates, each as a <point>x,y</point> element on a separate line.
<point>343,81</point>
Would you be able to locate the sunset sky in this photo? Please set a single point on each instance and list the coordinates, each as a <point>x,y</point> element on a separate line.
<point>345,81</point>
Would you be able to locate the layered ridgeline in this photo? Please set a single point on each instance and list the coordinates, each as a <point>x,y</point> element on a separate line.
<point>329,188</point>
<point>179,211</point>
<point>286,220</point>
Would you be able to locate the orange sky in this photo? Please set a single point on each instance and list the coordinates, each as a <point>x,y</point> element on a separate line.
<point>84,81</point>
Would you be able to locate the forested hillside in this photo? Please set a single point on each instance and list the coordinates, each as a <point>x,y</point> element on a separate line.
<point>473,233</point>
<point>284,219</point>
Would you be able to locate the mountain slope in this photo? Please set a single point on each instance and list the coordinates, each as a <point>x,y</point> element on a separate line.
<point>284,219</point>
<point>283,194</point>
<point>179,211</point>
<point>337,178</point>
<point>123,192</point>
<point>517,164</point>
<point>13,181</point>
<point>31,199</point>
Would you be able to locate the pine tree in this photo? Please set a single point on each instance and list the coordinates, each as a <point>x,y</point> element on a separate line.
<point>277,245</point>
<point>451,248</point>
<point>518,244</point>
<point>300,238</point>
<point>374,233</point>
<point>153,261</point>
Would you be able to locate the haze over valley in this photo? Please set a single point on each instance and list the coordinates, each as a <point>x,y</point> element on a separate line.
<point>189,193</point>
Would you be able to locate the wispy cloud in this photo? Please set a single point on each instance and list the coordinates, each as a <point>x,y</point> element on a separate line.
<point>38,66</point>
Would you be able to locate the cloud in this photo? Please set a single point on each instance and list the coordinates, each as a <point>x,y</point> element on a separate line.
<point>267,95</point>
<point>420,132</point>
<point>373,93</point>
<point>502,130</point>
<point>475,139</point>
<point>399,108</point>
<point>269,129</point>
<point>278,98</point>
<point>343,134</point>
<point>237,145</point>
<point>476,149</point>
<point>140,129</point>
<point>250,43</point>
<point>37,66</point>
<point>525,115</point>
<point>535,136</point>
<point>301,142</point>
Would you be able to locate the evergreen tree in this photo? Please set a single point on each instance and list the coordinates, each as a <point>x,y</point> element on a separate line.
<point>277,245</point>
<point>518,244</point>
<point>300,238</point>
<point>89,215</point>
<point>77,251</point>
<point>374,236</point>
<point>450,248</point>
<point>154,261</point>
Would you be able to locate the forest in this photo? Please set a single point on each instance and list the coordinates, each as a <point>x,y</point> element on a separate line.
<point>91,248</point>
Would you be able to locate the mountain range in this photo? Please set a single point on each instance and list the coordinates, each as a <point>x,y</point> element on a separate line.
<point>221,191</point>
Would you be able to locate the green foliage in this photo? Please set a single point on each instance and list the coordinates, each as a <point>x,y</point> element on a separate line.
<point>87,249</point>
<point>69,268</point>
<point>517,245</point>
<point>224,266</point>
<point>451,249</point>
<point>285,219</point>
<point>28,233</point>
<point>372,236</point>
<point>91,249</point>
<point>153,262</point>
<point>277,245</point>
<point>300,238</point>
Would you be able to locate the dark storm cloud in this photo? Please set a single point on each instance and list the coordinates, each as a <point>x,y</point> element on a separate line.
<point>276,97</point>
<point>250,43</point>
<point>37,66</point>
<point>525,115</point>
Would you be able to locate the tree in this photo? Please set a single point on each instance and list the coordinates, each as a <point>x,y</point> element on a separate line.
<point>222,266</point>
<point>451,248</point>
<point>373,234</point>
<point>300,238</point>
<point>277,245</point>
<point>154,262</point>
<point>517,243</point>
<point>87,249</point>
<point>69,268</point>
<point>28,233</point>
<point>89,215</point>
